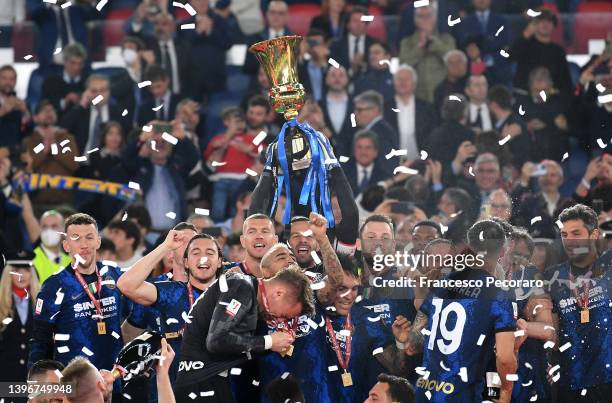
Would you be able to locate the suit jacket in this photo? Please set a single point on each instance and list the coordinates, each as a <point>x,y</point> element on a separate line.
<point>146,113</point>
<point>425,117</point>
<point>55,89</point>
<point>379,173</point>
<point>323,23</point>
<point>444,141</point>
<point>343,139</point>
<point>387,139</point>
<point>340,50</point>
<point>534,205</point>
<point>251,65</point>
<point>307,82</point>
<point>446,88</point>
<point>76,121</point>
<point>127,94</point>
<point>182,59</point>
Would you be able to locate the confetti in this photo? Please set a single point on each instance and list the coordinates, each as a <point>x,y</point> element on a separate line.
<point>59,296</point>
<point>358,299</point>
<point>533,13</point>
<point>536,219</point>
<point>504,140</point>
<point>66,150</point>
<point>565,156</point>
<point>374,319</point>
<point>504,53</point>
<point>471,171</point>
<point>79,259</point>
<point>565,346</point>
<point>353,121</point>
<point>54,150</point>
<point>428,395</point>
<point>559,224</point>
<point>549,344</point>
<point>255,383</point>
<point>463,374</point>
<point>144,84</point>
<point>481,340</point>
<point>528,365</point>
<point>367,18</point>
<point>124,113</point>
<point>235,371</point>
<point>512,377</point>
<point>451,22</point>
<point>188,26</point>
<point>604,99</point>
<point>543,95</point>
<point>378,350</point>
<point>97,100</point>
<point>171,215</point>
<point>66,5</point>
<point>61,337</point>
<point>250,172</point>
<point>109,263</point>
<point>444,367</point>
<point>38,148</point>
<point>600,87</point>
<point>63,349</point>
<point>127,396</point>
<point>396,110</point>
<point>600,143</point>
<point>454,98</point>
<point>190,9</point>
<point>27,57</point>
<point>125,216</point>
<point>57,51</point>
<point>50,1</point>
<point>103,270</point>
<point>333,63</point>
<point>169,138</point>
<point>7,321</point>
<point>424,155</point>
<point>101,5</point>
<point>186,317</point>
<point>405,170</point>
<point>527,384</point>
<point>284,375</point>
<point>157,108</point>
<point>202,211</point>
<point>312,324</point>
<point>344,159</point>
<point>223,283</point>
<point>499,30</point>
<point>553,369</point>
<point>193,396</point>
<point>261,136</point>
<point>519,333</point>
<point>421,3</point>
<point>133,185</point>
<point>583,392</point>
<point>147,128</point>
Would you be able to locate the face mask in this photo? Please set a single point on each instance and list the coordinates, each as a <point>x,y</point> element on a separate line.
<point>50,238</point>
<point>129,56</point>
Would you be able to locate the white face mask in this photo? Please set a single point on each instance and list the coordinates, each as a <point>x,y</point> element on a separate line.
<point>129,56</point>
<point>50,238</point>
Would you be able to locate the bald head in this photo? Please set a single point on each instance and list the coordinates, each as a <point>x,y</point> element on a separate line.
<point>88,384</point>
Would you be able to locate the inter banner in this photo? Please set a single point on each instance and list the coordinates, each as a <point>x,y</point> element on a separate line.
<point>46,181</point>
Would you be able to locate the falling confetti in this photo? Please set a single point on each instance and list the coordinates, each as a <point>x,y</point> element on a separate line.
<point>157,108</point>
<point>61,337</point>
<point>59,296</point>
<point>367,18</point>
<point>512,377</point>
<point>481,340</point>
<point>451,22</point>
<point>144,84</point>
<point>504,140</point>
<point>521,110</point>
<point>471,171</point>
<point>536,219</point>
<point>378,350</point>
<point>38,148</point>
<point>499,30</point>
<point>169,138</point>
<point>559,224</point>
<point>533,13</point>
<point>344,159</point>
<point>223,283</point>
<point>128,397</point>
<point>519,333</point>
<point>332,368</point>
<point>133,185</point>
<point>260,137</point>
<point>190,9</point>
<point>424,155</point>
<point>57,51</point>
<point>7,321</point>
<point>101,5</point>
<point>54,150</point>
<point>80,158</point>
<point>444,367</point>
<point>565,346</point>
<point>333,63</point>
<point>549,344</point>
<point>147,128</point>
<point>97,100</point>
<point>63,349</point>
<point>27,57</point>
<point>171,215</point>
<point>604,99</point>
<point>202,211</point>
<point>543,95</point>
<point>124,113</point>
<point>374,319</point>
<point>50,1</point>
<point>600,143</point>
<point>405,170</point>
<point>454,98</point>
<point>188,26</point>
<point>353,121</point>
<point>250,172</point>
<point>235,371</point>
<point>565,156</point>
<point>125,217</point>
<point>504,53</point>
<point>600,87</point>
<point>93,150</point>
<point>421,3</point>
<point>66,5</point>
<point>396,110</point>
<point>463,374</point>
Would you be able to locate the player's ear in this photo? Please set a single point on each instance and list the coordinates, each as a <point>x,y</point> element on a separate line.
<point>242,241</point>
<point>358,244</point>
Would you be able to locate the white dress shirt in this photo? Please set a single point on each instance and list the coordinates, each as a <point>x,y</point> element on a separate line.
<point>351,44</point>
<point>103,110</point>
<point>485,115</point>
<point>406,127</point>
<point>336,110</point>
<point>275,34</point>
<point>174,76</point>
<point>360,171</point>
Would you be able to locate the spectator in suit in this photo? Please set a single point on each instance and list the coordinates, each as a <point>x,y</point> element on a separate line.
<point>369,116</point>
<point>456,75</point>
<point>507,122</point>
<point>14,112</point>
<point>170,53</point>
<point>412,118</point>
<point>85,120</point>
<point>64,90</point>
<point>160,96</point>
<point>352,50</point>
<point>378,76</point>
<point>124,85</point>
<point>58,27</point>
<point>365,168</point>
<point>534,48</point>
<point>484,23</point>
<point>188,114</point>
<point>332,19</point>
<point>52,159</point>
<point>480,119</point>
<point>277,15</point>
<point>313,65</point>
<point>336,106</point>
<point>425,50</point>
<point>257,111</point>
<point>141,23</point>
<point>208,43</point>
<point>547,203</point>
<point>160,174</point>
<point>486,178</point>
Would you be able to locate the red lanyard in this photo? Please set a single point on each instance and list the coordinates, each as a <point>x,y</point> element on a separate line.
<point>281,325</point>
<point>190,293</point>
<point>343,361</point>
<point>88,291</point>
<point>581,299</point>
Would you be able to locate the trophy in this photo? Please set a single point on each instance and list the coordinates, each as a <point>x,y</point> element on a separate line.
<point>138,357</point>
<point>299,158</point>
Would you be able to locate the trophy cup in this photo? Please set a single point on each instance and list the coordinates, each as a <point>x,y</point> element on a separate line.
<point>299,158</point>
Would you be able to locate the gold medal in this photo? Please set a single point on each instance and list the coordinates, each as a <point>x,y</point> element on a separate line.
<point>584,316</point>
<point>347,379</point>
<point>288,352</point>
<point>101,327</point>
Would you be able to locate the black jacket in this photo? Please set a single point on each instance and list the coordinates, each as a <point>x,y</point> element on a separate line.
<point>76,121</point>
<point>14,348</point>
<point>425,120</point>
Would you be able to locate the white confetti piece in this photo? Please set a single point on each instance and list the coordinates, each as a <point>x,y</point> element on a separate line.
<point>600,87</point>
<point>66,150</point>
<point>59,296</point>
<point>504,53</point>
<point>528,365</point>
<point>235,371</point>
<point>499,30</point>
<point>344,159</point>
<point>133,185</point>
<point>124,113</point>
<point>463,374</point>
<point>471,171</point>
<point>533,13</point>
<point>101,5</point>
<point>454,98</point>
<point>125,216</point>
<point>543,95</point>
<point>186,317</point>
<point>536,219</point>
<point>143,84</point>
<point>519,333</point>
<point>202,211</point>
<point>405,170</point>
<point>553,369</point>
<point>157,108</point>
<point>64,142</point>
<point>565,346</point>
<point>583,392</point>
<point>128,397</point>
<point>103,270</point>
<point>504,140</point>
<point>171,215</point>
<point>261,136</point>
<point>556,377</point>
<point>27,57</point>
<point>600,143</point>
<point>481,236</point>
<point>451,22</point>
<point>7,321</point>
<point>367,18</point>
<point>374,319</point>
<point>428,395</point>
<point>188,26</point>
<point>218,164</point>
<point>57,51</point>
<point>284,375</point>
<point>421,3</point>
<point>358,299</point>
<point>527,384</point>
<point>549,344</point>
<point>425,332</point>
<point>50,1</point>
<point>521,110</point>
<point>333,62</point>
<point>147,128</point>
<point>54,150</point>
<point>190,9</point>
<point>378,350</point>
<point>192,396</point>
<point>549,328</point>
<point>66,5</point>
<point>79,259</point>
<point>97,100</point>
<point>565,156</point>
<point>38,148</point>
<point>63,349</point>
<point>169,138</point>
<point>559,224</point>
<point>330,161</point>
<point>61,337</point>
<point>481,340</point>
<point>250,172</point>
<point>313,324</point>
<point>353,121</point>
<point>223,283</point>
<point>255,383</point>
<point>444,367</point>
<point>512,377</point>
<point>424,155</point>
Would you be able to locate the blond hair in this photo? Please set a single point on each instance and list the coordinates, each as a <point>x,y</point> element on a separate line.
<point>6,292</point>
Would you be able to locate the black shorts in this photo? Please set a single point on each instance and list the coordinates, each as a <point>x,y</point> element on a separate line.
<point>218,384</point>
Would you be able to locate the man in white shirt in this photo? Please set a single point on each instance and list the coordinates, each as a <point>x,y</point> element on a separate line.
<point>479,115</point>
<point>126,238</point>
<point>277,15</point>
<point>336,107</point>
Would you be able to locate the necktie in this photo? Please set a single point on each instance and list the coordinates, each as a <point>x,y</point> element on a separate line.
<point>483,22</point>
<point>158,113</point>
<point>356,48</point>
<point>63,27</point>
<point>95,133</point>
<point>478,121</point>
<point>167,63</point>
<point>364,180</point>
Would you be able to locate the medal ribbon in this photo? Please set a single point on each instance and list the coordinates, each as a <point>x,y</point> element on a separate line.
<point>343,361</point>
<point>88,291</point>
<point>582,299</point>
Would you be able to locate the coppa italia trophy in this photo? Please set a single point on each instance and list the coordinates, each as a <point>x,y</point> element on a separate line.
<point>298,160</point>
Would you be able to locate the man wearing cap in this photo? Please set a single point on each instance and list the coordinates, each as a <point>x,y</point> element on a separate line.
<point>49,256</point>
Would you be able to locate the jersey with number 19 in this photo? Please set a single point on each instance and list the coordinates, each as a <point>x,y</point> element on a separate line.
<point>462,323</point>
